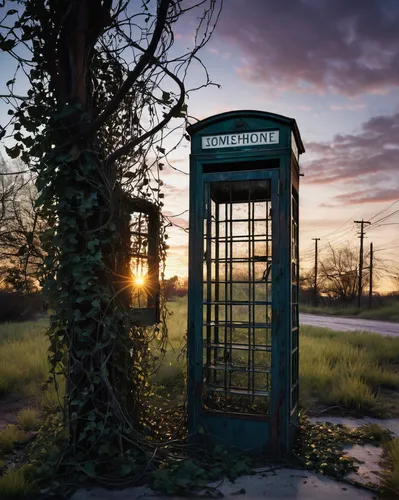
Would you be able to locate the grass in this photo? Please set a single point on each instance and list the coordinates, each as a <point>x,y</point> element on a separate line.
<point>386,312</point>
<point>28,419</point>
<point>15,485</point>
<point>24,367</point>
<point>172,369</point>
<point>374,432</point>
<point>352,370</point>
<point>8,437</point>
<point>390,479</point>
<point>23,357</point>
<point>356,371</point>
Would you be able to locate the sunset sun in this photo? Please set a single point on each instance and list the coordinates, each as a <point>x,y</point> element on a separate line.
<point>139,280</point>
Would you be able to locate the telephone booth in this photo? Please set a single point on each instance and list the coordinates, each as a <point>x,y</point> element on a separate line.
<point>243,281</point>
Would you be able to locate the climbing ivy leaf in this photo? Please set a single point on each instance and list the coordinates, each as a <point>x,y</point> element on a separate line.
<point>90,469</point>
<point>13,152</point>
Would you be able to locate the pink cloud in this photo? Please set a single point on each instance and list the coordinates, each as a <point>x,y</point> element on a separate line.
<point>341,46</point>
<point>365,157</point>
<point>346,107</point>
<point>364,196</point>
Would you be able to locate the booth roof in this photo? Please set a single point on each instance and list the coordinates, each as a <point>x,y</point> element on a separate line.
<point>211,120</point>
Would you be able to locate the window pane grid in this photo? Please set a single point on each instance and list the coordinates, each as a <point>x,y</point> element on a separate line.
<point>294,302</point>
<point>237,314</point>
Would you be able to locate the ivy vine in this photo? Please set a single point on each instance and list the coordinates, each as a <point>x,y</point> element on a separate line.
<point>90,128</point>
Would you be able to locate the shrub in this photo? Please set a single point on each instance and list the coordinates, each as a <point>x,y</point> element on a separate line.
<point>390,482</point>
<point>17,307</point>
<point>28,419</point>
<point>9,436</point>
<point>14,485</point>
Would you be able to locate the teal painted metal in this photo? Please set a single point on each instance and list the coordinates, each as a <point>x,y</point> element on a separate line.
<point>243,281</point>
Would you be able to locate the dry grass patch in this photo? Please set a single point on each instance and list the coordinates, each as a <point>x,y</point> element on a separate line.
<point>348,369</point>
<point>14,484</point>
<point>28,419</point>
<point>23,357</point>
<point>391,474</point>
<point>353,370</point>
<point>9,436</point>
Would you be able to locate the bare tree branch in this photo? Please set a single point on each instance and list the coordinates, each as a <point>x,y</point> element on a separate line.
<point>137,140</point>
<point>3,174</point>
<point>13,96</point>
<point>143,62</point>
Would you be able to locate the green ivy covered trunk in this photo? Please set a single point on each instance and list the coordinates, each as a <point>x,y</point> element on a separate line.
<point>88,281</point>
<point>88,127</point>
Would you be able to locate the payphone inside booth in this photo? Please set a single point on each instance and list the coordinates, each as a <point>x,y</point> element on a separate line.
<point>243,281</point>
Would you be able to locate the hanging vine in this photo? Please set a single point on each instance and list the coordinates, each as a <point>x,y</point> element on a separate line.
<point>91,128</point>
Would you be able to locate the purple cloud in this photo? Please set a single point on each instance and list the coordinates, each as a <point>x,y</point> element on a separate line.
<point>366,162</point>
<point>369,156</point>
<point>347,47</point>
<point>364,196</point>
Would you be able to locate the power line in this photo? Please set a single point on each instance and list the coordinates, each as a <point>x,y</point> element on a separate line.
<point>340,238</point>
<point>342,233</point>
<point>392,241</point>
<point>391,260</point>
<point>376,224</point>
<point>386,217</point>
<point>339,229</point>
<point>310,255</point>
<point>178,215</point>
<point>384,209</point>
<point>386,248</point>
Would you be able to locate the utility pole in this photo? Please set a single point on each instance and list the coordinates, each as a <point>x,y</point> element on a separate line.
<point>315,296</point>
<point>371,276</point>
<point>360,285</point>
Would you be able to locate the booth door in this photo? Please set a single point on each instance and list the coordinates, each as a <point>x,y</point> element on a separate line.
<point>238,280</point>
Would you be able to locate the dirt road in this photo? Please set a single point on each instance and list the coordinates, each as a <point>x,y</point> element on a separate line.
<point>350,324</point>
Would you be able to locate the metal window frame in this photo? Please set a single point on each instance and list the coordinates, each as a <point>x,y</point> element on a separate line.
<point>197,414</point>
<point>150,314</point>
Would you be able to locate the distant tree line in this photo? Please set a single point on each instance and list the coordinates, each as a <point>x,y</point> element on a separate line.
<point>175,287</point>
<point>21,253</point>
<point>338,277</point>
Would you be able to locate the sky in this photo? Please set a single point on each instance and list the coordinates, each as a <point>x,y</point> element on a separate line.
<point>333,65</point>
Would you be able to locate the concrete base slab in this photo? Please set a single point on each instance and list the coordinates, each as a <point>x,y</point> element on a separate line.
<point>277,485</point>
<point>369,469</point>
<point>281,483</point>
<point>390,423</point>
